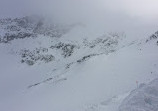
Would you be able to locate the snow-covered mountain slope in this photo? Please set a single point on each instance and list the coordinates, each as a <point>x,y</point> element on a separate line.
<point>30,26</point>
<point>144,98</point>
<point>41,72</point>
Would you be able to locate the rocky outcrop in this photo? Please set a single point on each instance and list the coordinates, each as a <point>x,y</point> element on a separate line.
<point>153,37</point>
<point>39,54</point>
<point>67,49</point>
<point>30,26</point>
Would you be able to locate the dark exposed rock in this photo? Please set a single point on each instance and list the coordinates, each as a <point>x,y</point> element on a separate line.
<point>104,42</point>
<point>47,58</point>
<point>67,49</point>
<point>21,35</point>
<point>31,57</point>
<point>68,65</point>
<point>153,37</point>
<point>85,58</point>
<point>30,26</point>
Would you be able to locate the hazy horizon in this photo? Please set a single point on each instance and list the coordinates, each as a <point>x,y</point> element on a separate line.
<point>135,18</point>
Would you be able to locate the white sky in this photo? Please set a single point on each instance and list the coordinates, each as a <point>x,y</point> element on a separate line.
<point>139,8</point>
<point>127,15</point>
